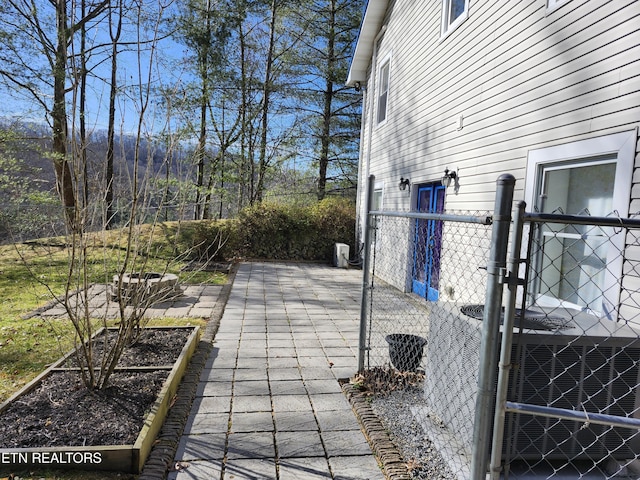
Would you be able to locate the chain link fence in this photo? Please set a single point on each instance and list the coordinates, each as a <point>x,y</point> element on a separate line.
<point>421,344</point>
<point>572,399</point>
<point>565,378</point>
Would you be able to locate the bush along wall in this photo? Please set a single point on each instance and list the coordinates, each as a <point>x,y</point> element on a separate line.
<point>286,232</point>
<point>276,232</point>
<point>213,240</point>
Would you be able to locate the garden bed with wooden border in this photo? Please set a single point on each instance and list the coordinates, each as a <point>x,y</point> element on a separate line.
<point>128,457</point>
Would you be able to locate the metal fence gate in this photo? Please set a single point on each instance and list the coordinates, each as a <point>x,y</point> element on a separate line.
<point>556,396</point>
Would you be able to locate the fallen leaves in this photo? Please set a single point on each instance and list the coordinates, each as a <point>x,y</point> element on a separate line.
<point>383,380</point>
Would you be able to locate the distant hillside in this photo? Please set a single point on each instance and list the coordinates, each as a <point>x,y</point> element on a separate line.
<point>33,144</point>
<point>27,178</point>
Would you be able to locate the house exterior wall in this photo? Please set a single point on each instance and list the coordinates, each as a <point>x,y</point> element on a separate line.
<point>511,78</point>
<point>520,77</point>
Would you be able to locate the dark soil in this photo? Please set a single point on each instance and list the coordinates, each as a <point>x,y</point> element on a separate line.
<point>62,412</point>
<point>155,347</point>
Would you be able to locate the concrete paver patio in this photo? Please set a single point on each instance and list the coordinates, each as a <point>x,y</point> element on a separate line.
<point>269,404</point>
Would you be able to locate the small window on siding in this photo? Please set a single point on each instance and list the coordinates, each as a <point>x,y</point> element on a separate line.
<point>383,91</point>
<point>454,12</point>
<point>377,197</point>
<point>553,4</point>
<point>376,203</point>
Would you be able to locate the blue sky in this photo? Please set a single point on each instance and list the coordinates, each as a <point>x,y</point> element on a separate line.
<point>133,69</point>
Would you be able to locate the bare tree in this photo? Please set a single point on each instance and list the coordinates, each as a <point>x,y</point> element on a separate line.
<point>136,249</point>
<point>203,27</point>
<point>127,251</point>
<point>24,23</point>
<point>267,88</point>
<point>115,31</point>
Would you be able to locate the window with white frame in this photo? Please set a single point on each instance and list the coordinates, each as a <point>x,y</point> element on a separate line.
<point>376,204</point>
<point>377,197</point>
<point>454,12</point>
<point>553,4</point>
<point>383,91</point>
<point>578,266</point>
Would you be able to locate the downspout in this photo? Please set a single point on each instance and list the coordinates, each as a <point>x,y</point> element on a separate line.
<point>359,233</point>
<point>369,115</point>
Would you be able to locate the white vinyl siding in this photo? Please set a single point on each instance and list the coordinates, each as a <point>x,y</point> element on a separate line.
<point>521,79</point>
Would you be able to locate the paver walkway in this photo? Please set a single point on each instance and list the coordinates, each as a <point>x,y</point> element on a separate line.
<point>269,404</point>
<point>195,301</point>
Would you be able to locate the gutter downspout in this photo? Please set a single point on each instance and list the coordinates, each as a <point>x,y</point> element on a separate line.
<point>369,115</point>
<point>359,233</point>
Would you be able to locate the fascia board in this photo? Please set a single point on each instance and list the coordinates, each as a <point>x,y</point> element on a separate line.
<point>371,24</point>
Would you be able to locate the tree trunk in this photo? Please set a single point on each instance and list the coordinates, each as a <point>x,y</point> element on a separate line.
<point>108,197</point>
<point>203,54</point>
<point>325,138</point>
<point>83,104</point>
<point>64,177</point>
<point>244,184</point>
<point>201,156</point>
<point>266,94</point>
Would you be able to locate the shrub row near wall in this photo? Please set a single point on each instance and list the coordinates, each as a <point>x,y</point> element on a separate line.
<point>275,231</point>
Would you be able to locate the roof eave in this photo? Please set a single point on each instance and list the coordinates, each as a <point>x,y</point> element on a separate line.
<point>371,24</point>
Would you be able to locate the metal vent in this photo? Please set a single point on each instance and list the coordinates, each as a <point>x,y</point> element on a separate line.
<point>533,319</point>
<point>577,377</point>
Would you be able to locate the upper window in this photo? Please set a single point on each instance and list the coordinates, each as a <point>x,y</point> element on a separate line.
<point>578,265</point>
<point>383,91</point>
<point>454,12</point>
<point>553,4</point>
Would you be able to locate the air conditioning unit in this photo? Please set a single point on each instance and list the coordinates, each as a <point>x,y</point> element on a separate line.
<point>597,375</point>
<point>341,255</point>
<point>592,366</point>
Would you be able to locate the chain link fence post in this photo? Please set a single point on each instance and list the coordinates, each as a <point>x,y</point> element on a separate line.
<point>507,341</point>
<point>496,270</point>
<point>362,345</point>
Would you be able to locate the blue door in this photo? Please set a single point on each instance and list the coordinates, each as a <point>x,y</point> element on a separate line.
<point>428,242</point>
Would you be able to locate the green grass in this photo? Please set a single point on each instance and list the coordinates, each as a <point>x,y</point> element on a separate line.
<point>32,273</point>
